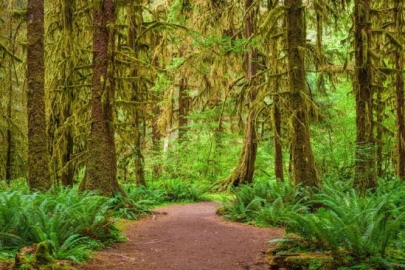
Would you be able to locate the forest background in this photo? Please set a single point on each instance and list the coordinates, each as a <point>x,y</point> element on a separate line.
<point>109,95</point>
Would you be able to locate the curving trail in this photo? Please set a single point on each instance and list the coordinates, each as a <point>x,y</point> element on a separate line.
<point>187,237</point>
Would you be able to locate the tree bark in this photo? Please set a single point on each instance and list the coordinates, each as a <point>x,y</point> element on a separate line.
<point>9,134</point>
<point>136,21</point>
<point>399,89</point>
<point>156,138</point>
<point>304,170</point>
<point>184,101</point>
<point>66,167</point>
<point>38,156</point>
<point>243,173</point>
<point>365,166</point>
<point>278,150</point>
<point>101,166</point>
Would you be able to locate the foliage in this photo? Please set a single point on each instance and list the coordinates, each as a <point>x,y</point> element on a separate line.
<point>140,200</point>
<point>177,190</point>
<point>365,229</point>
<point>70,222</point>
<point>266,203</point>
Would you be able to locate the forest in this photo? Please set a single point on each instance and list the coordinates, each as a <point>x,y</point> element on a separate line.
<point>290,113</point>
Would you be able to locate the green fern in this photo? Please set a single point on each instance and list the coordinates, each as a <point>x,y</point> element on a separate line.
<point>362,225</point>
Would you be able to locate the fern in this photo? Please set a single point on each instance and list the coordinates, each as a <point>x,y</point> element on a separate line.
<point>266,203</point>
<point>363,226</point>
<point>53,217</point>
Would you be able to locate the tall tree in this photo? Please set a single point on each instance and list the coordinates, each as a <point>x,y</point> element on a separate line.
<point>101,166</point>
<point>63,58</point>
<point>304,169</point>
<point>399,89</point>
<point>38,156</point>
<point>365,166</point>
<point>243,173</point>
<point>139,88</point>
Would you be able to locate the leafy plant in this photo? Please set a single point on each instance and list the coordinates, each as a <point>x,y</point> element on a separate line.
<point>69,221</point>
<point>177,190</point>
<point>266,203</point>
<point>363,226</point>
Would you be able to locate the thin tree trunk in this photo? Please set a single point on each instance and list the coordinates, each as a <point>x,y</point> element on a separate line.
<point>379,134</point>
<point>9,134</point>
<point>101,167</point>
<point>136,21</point>
<point>278,150</point>
<point>365,167</point>
<point>139,159</point>
<point>156,138</point>
<point>38,156</point>
<point>304,171</point>
<point>243,173</point>
<point>184,101</point>
<point>399,85</point>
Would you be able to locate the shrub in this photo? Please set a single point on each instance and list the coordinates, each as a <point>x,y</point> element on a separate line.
<point>65,219</point>
<point>363,227</point>
<point>265,203</point>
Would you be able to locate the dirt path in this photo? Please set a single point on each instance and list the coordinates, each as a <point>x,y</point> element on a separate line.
<point>188,237</point>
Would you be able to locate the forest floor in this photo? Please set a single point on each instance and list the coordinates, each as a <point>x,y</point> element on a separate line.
<point>187,237</point>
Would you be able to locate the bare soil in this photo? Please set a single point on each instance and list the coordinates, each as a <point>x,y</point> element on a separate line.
<point>187,237</point>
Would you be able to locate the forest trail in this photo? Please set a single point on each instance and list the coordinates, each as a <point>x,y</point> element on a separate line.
<point>187,237</point>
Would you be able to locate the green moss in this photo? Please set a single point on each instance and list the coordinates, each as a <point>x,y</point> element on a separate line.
<point>312,261</point>
<point>42,256</point>
<point>21,262</point>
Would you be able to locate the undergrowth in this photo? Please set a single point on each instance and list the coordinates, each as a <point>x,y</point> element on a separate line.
<point>72,224</point>
<point>141,200</point>
<point>361,232</point>
<point>265,203</point>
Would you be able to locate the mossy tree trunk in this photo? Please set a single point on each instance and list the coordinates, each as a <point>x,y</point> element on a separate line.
<point>66,166</point>
<point>184,103</point>
<point>399,89</point>
<point>277,101</point>
<point>278,150</point>
<point>156,137</point>
<point>9,135</point>
<point>244,170</point>
<point>138,89</point>
<point>62,102</point>
<point>304,170</point>
<point>365,165</point>
<point>38,156</point>
<point>101,165</point>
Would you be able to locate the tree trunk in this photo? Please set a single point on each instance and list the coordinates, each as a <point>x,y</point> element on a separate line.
<point>136,24</point>
<point>9,134</point>
<point>68,172</point>
<point>38,156</point>
<point>243,173</point>
<point>139,159</point>
<point>365,167</point>
<point>379,133</point>
<point>304,171</point>
<point>184,101</point>
<point>156,137</point>
<point>278,150</point>
<point>101,166</point>
<point>66,166</point>
<point>399,85</point>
